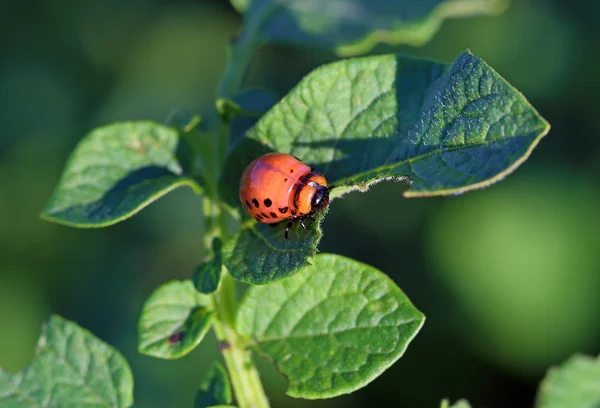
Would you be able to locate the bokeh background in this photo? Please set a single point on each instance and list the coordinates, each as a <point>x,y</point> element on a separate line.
<point>508,277</point>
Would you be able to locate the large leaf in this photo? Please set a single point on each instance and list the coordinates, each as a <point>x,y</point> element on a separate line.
<point>174,320</point>
<point>575,384</point>
<point>331,328</point>
<point>72,369</point>
<point>446,128</point>
<point>114,172</point>
<point>352,27</point>
<point>215,390</point>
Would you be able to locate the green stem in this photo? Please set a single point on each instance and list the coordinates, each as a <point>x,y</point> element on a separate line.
<point>243,48</point>
<point>239,54</point>
<point>245,380</point>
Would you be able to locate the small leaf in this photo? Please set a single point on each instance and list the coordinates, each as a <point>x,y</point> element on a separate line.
<point>260,253</point>
<point>575,384</point>
<point>72,368</point>
<point>461,403</point>
<point>215,390</point>
<point>252,105</point>
<point>174,320</point>
<point>206,277</point>
<point>352,27</point>
<point>332,328</point>
<point>114,172</point>
<point>446,128</point>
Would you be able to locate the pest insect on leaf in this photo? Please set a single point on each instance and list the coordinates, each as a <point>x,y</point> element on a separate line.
<point>277,187</point>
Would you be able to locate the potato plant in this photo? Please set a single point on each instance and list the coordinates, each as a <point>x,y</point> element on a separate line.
<point>329,323</point>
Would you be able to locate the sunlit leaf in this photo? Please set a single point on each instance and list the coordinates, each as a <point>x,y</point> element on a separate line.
<point>575,384</point>
<point>332,328</point>
<point>446,129</point>
<point>174,320</point>
<point>114,172</point>
<point>72,368</point>
<point>352,27</point>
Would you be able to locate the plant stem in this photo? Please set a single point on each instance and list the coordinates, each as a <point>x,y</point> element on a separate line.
<point>245,380</point>
<point>242,371</point>
<point>243,48</point>
<point>240,52</point>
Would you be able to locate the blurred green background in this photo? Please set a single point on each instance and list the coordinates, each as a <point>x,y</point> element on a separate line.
<point>508,276</point>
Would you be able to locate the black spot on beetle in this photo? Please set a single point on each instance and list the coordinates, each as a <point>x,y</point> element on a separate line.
<point>293,212</point>
<point>255,202</point>
<point>285,179</point>
<point>248,204</point>
<point>273,215</point>
<point>264,215</point>
<point>291,170</point>
<point>283,210</point>
<point>258,217</point>
<point>268,202</point>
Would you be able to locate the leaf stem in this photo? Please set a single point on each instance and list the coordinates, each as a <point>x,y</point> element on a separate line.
<point>244,376</point>
<point>240,53</point>
<point>242,49</point>
<point>246,382</point>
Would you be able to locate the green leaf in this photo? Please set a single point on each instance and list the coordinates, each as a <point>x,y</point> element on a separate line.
<point>174,320</point>
<point>116,171</point>
<point>461,403</point>
<point>72,368</point>
<point>215,390</point>
<point>447,128</point>
<point>240,5</point>
<point>252,104</point>
<point>332,328</point>
<point>206,277</point>
<point>260,253</point>
<point>352,27</point>
<point>575,384</point>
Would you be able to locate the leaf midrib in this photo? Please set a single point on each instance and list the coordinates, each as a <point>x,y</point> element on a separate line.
<point>333,332</point>
<point>411,160</point>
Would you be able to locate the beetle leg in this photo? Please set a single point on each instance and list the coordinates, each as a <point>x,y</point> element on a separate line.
<point>287,228</point>
<point>301,223</point>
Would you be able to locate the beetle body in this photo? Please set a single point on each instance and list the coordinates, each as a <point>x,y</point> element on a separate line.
<point>277,187</point>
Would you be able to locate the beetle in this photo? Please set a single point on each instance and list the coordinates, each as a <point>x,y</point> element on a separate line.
<point>276,187</point>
